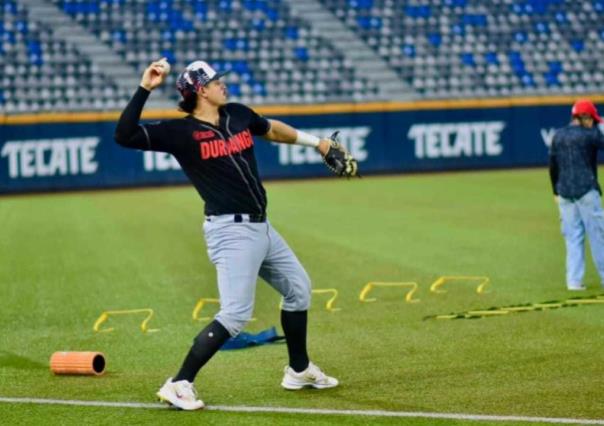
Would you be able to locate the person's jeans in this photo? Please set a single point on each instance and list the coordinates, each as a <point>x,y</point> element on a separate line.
<point>577,217</point>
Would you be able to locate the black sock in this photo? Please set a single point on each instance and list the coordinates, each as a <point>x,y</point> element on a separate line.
<point>294,328</point>
<point>205,345</point>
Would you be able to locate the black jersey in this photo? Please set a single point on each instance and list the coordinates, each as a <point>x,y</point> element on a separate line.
<point>574,161</point>
<point>219,160</point>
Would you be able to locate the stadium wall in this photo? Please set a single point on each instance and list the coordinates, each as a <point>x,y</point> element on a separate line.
<point>70,151</point>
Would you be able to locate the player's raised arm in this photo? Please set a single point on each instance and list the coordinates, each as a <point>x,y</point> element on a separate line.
<point>334,154</point>
<point>128,133</point>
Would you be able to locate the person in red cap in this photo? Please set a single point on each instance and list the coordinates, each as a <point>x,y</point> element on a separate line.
<point>573,162</point>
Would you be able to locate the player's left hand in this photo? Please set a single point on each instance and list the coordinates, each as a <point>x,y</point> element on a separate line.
<point>337,158</point>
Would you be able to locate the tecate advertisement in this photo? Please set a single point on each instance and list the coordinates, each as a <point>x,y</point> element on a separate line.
<point>58,156</point>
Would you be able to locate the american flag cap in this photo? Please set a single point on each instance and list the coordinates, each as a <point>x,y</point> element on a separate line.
<point>195,76</point>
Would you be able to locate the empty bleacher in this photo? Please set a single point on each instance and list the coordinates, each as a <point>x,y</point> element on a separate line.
<point>274,57</point>
<point>439,48</point>
<point>472,48</point>
<point>41,73</point>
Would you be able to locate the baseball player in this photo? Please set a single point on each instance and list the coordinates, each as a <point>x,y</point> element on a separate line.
<point>215,149</point>
<point>574,177</point>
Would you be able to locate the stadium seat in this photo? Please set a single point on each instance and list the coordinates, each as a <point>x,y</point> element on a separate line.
<point>502,47</point>
<point>253,38</point>
<point>44,74</point>
<point>439,48</point>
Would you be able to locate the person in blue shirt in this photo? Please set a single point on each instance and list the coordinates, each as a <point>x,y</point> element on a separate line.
<point>573,167</point>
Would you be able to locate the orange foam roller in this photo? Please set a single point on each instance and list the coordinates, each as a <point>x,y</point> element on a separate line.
<point>87,363</point>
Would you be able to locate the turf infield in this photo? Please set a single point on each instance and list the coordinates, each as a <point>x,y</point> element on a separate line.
<point>65,258</point>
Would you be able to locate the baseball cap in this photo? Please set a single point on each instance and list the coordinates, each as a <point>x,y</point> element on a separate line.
<point>196,75</point>
<point>585,106</point>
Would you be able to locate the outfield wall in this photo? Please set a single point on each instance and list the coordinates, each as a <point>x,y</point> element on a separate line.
<point>57,152</point>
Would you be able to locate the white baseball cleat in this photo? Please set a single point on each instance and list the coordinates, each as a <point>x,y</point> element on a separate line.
<point>311,377</point>
<point>181,394</point>
<point>576,287</point>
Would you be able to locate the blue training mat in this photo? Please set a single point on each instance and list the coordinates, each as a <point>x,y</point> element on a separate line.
<point>246,340</point>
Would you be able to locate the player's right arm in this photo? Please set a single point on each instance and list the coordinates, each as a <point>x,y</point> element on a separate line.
<point>129,133</point>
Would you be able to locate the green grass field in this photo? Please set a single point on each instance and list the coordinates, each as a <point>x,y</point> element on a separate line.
<point>65,258</point>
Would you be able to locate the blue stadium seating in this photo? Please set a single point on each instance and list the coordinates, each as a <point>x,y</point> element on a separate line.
<point>471,48</point>
<point>274,56</point>
<point>43,74</point>
<point>439,48</point>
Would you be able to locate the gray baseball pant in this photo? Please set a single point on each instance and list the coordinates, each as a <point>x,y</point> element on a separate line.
<point>243,251</point>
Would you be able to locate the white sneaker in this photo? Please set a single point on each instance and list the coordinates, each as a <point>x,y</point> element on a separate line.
<point>576,287</point>
<point>181,394</point>
<point>311,377</point>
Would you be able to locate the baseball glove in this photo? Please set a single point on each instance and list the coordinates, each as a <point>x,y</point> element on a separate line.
<point>338,160</point>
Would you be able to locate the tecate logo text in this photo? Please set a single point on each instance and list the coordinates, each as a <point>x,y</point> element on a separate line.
<point>160,161</point>
<point>453,140</point>
<point>51,157</point>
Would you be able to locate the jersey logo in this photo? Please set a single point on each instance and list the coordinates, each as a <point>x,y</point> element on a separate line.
<point>199,135</point>
<point>221,148</point>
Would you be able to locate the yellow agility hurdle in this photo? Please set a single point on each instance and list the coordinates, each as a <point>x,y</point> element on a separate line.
<point>105,316</point>
<point>370,285</point>
<point>480,289</point>
<point>199,306</point>
<point>330,301</point>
